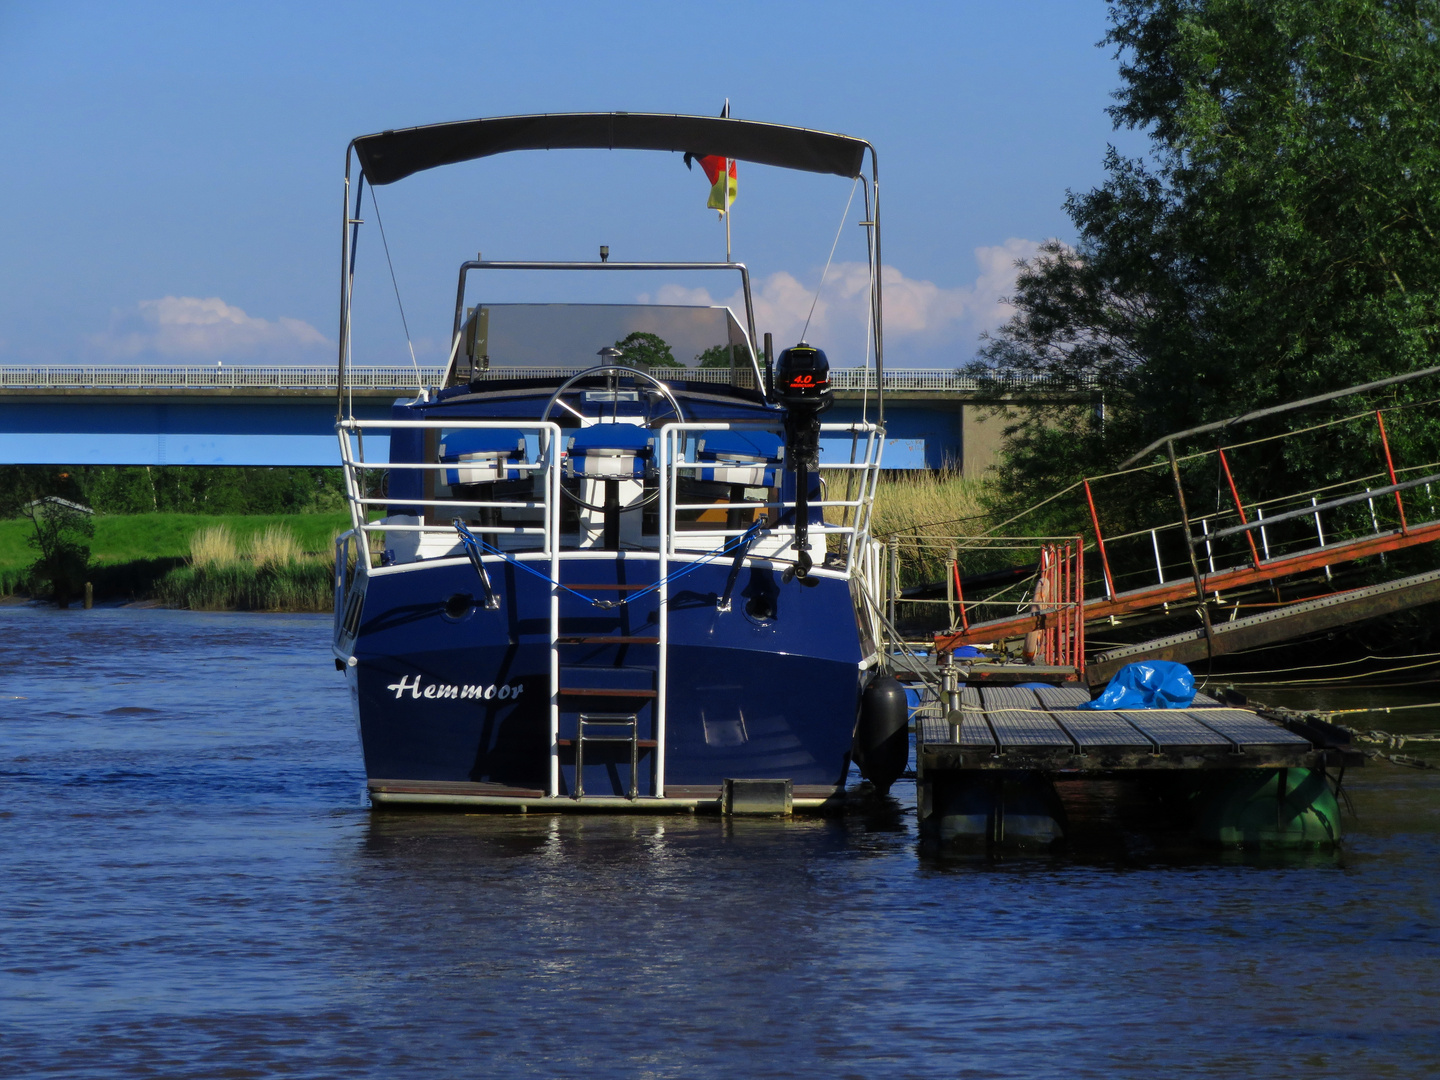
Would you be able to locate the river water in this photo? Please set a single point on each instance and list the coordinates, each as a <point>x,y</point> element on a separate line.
<point>191,884</point>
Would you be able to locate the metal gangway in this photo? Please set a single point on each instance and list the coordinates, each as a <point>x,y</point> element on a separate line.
<point>1290,557</point>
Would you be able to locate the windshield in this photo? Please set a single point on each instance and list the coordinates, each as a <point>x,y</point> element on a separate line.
<point>542,339</point>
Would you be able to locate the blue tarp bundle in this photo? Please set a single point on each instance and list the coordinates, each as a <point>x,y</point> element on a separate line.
<point>1154,684</point>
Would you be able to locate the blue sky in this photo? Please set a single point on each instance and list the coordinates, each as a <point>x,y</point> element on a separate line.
<point>172,185</point>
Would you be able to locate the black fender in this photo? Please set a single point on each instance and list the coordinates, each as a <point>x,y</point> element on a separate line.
<point>882,736</point>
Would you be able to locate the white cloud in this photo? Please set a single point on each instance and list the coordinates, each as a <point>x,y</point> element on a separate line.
<point>925,324</point>
<point>184,328</point>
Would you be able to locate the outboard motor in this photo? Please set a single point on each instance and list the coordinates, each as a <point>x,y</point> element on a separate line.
<point>802,382</point>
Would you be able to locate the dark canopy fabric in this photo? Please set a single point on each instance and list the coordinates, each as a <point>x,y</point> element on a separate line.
<point>394,155</point>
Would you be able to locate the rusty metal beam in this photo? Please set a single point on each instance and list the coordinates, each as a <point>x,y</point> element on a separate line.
<point>1225,580</point>
<point>1280,624</point>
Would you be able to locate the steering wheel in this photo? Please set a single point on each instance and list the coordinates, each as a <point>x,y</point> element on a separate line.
<point>616,369</point>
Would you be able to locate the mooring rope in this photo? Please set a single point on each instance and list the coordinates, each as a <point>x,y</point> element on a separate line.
<point>471,543</point>
<point>1331,664</point>
<point>1324,681</point>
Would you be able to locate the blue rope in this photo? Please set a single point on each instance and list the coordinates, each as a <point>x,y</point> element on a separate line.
<point>474,546</point>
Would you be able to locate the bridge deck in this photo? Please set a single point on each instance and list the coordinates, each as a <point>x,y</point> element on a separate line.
<point>268,415</point>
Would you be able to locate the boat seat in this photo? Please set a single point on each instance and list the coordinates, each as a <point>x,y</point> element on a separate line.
<point>749,458</point>
<point>611,452</point>
<point>487,454</point>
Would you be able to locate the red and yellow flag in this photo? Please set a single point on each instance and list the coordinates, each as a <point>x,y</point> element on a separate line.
<point>720,171</point>
<point>714,168</point>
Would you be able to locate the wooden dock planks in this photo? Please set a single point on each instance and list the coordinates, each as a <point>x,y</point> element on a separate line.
<point>1172,729</point>
<point>1019,720</point>
<point>1103,730</point>
<point>1246,729</point>
<point>1062,697</point>
<point>1023,727</point>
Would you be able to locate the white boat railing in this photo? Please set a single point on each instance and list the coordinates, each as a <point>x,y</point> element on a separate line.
<point>776,537</point>
<point>352,456</point>
<point>773,539</point>
<point>675,457</point>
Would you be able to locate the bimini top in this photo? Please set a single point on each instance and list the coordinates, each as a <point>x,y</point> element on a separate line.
<point>394,155</point>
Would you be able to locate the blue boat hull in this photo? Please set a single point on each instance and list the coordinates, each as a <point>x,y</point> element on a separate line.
<point>453,698</point>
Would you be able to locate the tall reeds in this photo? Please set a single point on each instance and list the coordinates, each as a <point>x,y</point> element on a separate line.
<point>931,506</point>
<point>924,503</point>
<point>213,546</point>
<point>270,573</point>
<point>276,546</point>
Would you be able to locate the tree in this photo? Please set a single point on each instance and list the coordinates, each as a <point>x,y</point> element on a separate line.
<point>187,489</point>
<point>643,349</point>
<point>1280,240</point>
<point>61,529</point>
<point>716,356</point>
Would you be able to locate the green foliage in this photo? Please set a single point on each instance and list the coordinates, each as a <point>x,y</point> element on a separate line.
<point>141,489</point>
<point>58,527</point>
<point>305,585</point>
<point>1278,242</point>
<point>716,356</point>
<point>643,349</point>
<point>129,538</point>
<point>13,581</point>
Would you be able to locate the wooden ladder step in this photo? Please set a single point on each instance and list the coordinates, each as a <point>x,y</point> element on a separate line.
<point>603,639</point>
<point>605,691</point>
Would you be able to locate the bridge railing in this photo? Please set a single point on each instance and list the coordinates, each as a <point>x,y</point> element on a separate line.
<point>217,377</point>
<point>221,377</point>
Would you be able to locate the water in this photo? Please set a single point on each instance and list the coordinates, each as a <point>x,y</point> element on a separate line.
<point>191,885</point>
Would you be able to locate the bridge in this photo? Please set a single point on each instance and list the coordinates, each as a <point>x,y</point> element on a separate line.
<point>257,415</point>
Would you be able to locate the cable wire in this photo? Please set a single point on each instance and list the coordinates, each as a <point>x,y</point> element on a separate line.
<point>419,380</point>
<point>826,271</point>
<point>1337,678</point>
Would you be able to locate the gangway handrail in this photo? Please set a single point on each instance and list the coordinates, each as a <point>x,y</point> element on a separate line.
<point>1314,508</point>
<point>1275,410</point>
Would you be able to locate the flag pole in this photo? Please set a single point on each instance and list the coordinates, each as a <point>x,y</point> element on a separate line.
<point>726,180</point>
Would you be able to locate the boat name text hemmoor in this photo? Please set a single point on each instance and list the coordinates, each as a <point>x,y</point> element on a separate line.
<point>493,692</point>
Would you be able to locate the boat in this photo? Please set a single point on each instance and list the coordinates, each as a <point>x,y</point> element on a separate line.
<point>578,580</point>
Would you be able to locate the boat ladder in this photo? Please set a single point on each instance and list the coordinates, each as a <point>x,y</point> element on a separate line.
<point>596,670</point>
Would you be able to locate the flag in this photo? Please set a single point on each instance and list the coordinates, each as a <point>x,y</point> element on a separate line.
<point>718,170</point>
<point>714,168</point>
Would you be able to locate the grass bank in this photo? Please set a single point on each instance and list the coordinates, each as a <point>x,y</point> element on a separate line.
<point>923,503</point>
<point>931,505</point>
<point>243,586</point>
<point>132,555</point>
<point>124,538</point>
<point>265,571</point>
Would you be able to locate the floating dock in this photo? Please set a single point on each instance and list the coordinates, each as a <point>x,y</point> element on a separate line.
<point>985,772</point>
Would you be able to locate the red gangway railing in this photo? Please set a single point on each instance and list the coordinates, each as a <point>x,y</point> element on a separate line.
<point>1282,536</point>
